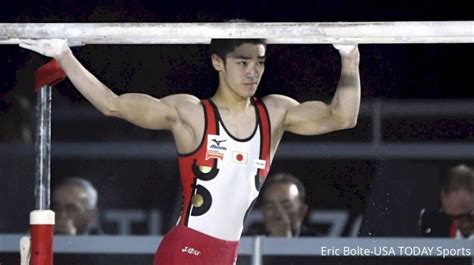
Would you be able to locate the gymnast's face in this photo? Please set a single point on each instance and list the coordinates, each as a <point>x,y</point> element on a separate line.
<point>73,216</point>
<point>242,69</point>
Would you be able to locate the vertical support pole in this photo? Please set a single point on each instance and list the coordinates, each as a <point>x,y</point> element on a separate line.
<point>43,149</point>
<point>42,219</point>
<point>257,251</point>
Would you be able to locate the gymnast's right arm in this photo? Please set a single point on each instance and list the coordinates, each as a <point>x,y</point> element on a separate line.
<point>139,109</point>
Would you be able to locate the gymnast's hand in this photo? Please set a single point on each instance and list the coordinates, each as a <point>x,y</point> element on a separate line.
<point>54,48</point>
<point>349,51</point>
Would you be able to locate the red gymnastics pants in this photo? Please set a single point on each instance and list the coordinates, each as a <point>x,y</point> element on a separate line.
<point>185,246</point>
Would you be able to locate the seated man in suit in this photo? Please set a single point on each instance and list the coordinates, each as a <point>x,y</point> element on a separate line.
<point>455,219</point>
<point>283,208</point>
<point>74,201</point>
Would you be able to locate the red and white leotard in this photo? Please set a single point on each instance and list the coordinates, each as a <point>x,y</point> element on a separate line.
<point>221,180</point>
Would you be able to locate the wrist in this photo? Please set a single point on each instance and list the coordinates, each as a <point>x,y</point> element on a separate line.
<point>349,58</point>
<point>63,54</point>
<point>350,63</point>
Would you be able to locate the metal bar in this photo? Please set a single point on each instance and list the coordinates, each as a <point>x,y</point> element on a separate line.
<point>43,149</point>
<point>201,33</point>
<point>257,251</point>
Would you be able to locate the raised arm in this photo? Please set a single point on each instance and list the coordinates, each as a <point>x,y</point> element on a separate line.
<point>139,109</point>
<point>316,117</point>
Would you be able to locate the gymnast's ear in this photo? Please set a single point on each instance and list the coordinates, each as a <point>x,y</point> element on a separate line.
<point>217,62</point>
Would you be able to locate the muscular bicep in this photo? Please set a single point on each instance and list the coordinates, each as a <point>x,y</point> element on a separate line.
<point>146,111</point>
<point>308,118</point>
<point>311,118</point>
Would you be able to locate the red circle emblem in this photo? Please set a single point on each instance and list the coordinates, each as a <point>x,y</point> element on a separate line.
<point>239,157</point>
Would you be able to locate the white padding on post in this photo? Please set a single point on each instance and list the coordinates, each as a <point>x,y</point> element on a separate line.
<point>42,217</point>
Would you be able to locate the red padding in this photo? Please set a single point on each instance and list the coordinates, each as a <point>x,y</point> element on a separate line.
<point>49,75</point>
<point>41,245</point>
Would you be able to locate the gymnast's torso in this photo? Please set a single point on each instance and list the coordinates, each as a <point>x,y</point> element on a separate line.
<point>222,178</point>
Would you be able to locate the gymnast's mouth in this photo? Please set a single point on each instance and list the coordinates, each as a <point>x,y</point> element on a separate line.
<point>253,83</point>
<point>250,85</point>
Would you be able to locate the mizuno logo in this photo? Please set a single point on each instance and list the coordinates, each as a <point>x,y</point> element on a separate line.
<point>213,146</point>
<point>218,142</point>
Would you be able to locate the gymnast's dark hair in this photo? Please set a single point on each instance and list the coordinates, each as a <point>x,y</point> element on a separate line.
<point>222,47</point>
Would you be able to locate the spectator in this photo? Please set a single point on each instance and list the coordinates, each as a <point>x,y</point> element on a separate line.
<point>283,208</point>
<point>75,203</point>
<point>455,218</point>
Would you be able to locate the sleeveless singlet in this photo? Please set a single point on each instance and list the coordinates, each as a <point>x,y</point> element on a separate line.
<point>222,178</point>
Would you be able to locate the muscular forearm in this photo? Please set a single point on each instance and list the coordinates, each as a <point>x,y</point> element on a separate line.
<point>87,84</point>
<point>346,100</point>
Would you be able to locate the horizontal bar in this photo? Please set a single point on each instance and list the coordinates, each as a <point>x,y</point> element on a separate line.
<point>276,33</point>
<point>271,246</point>
<point>289,150</point>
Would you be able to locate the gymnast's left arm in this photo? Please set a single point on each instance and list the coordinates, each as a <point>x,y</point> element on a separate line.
<point>316,117</point>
